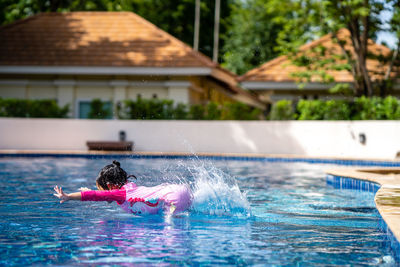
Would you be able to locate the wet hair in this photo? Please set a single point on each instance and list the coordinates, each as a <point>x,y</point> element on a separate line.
<point>112,175</point>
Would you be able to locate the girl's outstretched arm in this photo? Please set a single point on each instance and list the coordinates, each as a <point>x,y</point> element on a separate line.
<point>65,197</point>
<point>92,195</point>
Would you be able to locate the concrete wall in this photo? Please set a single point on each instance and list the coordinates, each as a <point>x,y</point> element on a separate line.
<point>310,138</point>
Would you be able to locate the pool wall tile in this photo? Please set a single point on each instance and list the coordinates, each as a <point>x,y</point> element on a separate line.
<point>347,162</point>
<point>341,182</point>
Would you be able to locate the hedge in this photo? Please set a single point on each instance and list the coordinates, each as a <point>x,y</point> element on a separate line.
<point>155,109</point>
<point>32,108</point>
<point>362,108</point>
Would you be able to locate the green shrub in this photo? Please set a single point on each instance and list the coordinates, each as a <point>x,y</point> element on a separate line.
<point>391,108</point>
<point>14,108</point>
<point>239,111</point>
<point>365,108</point>
<point>213,111</point>
<point>197,112</point>
<point>99,110</point>
<point>168,109</point>
<point>135,110</point>
<point>180,112</point>
<point>154,109</point>
<point>310,110</point>
<point>165,110</point>
<point>362,108</point>
<point>336,110</point>
<point>282,110</point>
<point>148,109</point>
<point>24,108</point>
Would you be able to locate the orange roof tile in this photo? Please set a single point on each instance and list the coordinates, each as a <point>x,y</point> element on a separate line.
<point>93,39</point>
<point>281,68</point>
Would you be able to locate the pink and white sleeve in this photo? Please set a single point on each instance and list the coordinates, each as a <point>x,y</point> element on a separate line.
<point>118,195</point>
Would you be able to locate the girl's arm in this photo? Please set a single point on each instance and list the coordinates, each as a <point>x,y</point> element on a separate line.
<point>92,195</point>
<point>118,195</point>
<point>65,197</point>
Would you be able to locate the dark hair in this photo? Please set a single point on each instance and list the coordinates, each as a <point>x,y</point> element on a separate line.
<point>112,175</point>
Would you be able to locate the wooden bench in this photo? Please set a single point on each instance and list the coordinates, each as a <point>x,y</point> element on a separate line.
<point>110,145</point>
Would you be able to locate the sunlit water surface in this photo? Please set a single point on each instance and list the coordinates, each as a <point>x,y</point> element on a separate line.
<point>244,213</point>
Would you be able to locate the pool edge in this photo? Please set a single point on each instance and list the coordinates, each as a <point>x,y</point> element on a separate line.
<point>387,196</point>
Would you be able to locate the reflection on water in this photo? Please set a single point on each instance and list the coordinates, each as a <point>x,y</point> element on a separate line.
<point>245,213</point>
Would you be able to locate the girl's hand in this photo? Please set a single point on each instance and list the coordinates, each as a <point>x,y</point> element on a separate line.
<point>60,194</point>
<point>82,189</point>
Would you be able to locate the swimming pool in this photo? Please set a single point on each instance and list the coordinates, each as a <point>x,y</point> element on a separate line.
<point>245,213</point>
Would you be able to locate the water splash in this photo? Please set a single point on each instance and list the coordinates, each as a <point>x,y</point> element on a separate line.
<point>214,191</point>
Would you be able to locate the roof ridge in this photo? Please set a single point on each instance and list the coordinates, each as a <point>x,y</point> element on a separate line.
<point>197,54</point>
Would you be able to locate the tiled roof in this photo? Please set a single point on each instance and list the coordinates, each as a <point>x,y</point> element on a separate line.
<point>281,68</point>
<point>121,39</point>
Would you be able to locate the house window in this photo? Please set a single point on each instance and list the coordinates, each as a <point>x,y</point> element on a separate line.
<point>84,109</point>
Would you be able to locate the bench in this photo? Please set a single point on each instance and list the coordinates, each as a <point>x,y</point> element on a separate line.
<point>110,145</point>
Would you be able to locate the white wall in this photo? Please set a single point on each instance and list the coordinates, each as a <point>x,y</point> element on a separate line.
<point>310,138</point>
<point>13,91</point>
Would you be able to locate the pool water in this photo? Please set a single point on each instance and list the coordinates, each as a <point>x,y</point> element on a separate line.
<point>244,213</point>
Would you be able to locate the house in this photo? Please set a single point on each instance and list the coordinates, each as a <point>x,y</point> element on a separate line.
<point>276,79</point>
<point>79,56</point>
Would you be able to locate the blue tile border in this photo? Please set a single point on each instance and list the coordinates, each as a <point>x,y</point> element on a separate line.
<point>341,182</point>
<point>347,162</point>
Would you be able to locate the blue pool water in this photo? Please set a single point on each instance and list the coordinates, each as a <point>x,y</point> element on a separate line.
<point>244,213</point>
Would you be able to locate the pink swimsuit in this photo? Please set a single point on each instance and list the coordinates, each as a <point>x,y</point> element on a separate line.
<point>145,200</point>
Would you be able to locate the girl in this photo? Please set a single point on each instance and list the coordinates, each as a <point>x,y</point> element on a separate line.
<point>113,185</point>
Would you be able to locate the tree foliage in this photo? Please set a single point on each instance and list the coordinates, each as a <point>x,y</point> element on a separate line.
<point>359,108</point>
<point>258,32</point>
<point>362,18</point>
<point>251,37</point>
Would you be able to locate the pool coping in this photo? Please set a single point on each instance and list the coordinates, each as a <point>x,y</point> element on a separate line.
<point>387,197</point>
<point>210,155</point>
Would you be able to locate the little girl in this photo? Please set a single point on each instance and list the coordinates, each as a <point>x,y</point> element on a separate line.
<point>113,185</point>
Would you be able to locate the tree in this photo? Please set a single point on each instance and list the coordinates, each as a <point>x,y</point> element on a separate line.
<point>394,27</point>
<point>13,10</point>
<point>252,36</point>
<point>362,19</point>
